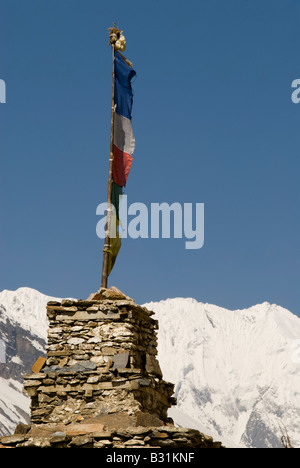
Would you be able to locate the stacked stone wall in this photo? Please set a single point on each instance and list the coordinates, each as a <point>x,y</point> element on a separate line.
<point>101,358</point>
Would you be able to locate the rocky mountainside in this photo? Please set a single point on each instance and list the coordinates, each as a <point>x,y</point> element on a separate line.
<point>236,372</point>
<point>23,330</point>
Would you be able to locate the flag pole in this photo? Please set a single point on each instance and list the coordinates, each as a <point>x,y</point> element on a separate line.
<point>105,263</point>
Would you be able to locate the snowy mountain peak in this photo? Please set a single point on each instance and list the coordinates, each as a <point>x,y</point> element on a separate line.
<point>27,308</point>
<point>234,369</point>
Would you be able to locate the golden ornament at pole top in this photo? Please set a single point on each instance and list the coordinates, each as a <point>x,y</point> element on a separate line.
<point>116,38</point>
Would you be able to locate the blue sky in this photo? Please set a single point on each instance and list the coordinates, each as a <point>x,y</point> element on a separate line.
<point>214,123</point>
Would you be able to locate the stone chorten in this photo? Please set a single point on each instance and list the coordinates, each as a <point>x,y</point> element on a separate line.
<point>101,385</point>
<point>101,363</point>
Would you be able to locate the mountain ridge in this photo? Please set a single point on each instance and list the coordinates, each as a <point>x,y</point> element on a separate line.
<point>234,369</point>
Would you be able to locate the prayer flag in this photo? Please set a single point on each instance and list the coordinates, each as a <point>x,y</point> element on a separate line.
<point>124,142</point>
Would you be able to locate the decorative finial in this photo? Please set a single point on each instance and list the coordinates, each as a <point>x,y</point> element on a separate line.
<point>116,38</point>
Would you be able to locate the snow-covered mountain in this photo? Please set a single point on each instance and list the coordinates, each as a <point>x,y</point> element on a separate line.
<point>26,307</point>
<point>23,332</point>
<point>237,373</point>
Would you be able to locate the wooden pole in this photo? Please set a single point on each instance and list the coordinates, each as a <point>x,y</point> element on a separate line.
<point>110,180</point>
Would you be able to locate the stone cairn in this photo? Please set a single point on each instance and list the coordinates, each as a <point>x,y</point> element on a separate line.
<point>101,385</point>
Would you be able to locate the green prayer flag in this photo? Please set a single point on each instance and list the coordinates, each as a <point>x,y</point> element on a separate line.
<point>115,239</point>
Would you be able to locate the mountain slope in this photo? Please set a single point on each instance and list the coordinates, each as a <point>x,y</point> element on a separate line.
<point>23,330</point>
<point>233,370</point>
<point>26,307</point>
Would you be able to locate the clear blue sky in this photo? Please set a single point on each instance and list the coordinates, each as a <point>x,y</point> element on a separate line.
<point>214,123</point>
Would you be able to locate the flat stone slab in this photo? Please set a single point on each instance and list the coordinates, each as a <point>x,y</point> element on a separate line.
<point>44,430</point>
<point>93,435</point>
<point>38,365</point>
<point>120,360</point>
